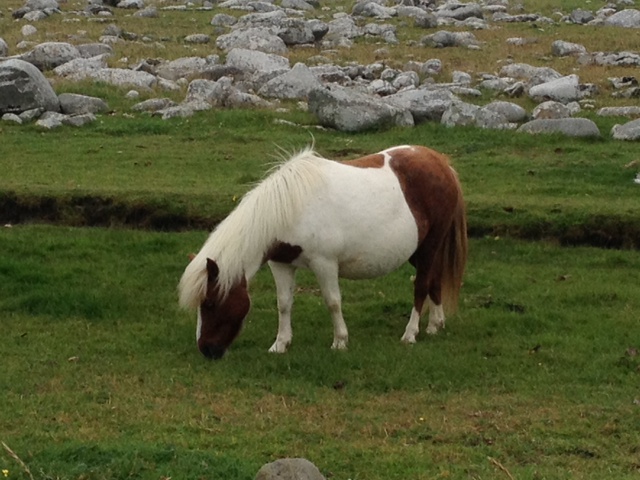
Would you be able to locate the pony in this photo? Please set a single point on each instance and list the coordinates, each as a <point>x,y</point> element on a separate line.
<point>354,219</point>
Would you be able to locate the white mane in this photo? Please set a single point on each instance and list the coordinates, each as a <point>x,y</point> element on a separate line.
<point>239,243</point>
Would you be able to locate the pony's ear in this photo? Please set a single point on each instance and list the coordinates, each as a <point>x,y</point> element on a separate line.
<point>192,256</point>
<point>212,270</point>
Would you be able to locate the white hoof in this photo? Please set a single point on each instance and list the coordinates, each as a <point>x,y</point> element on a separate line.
<point>408,337</point>
<point>279,347</point>
<point>339,344</point>
<point>434,327</point>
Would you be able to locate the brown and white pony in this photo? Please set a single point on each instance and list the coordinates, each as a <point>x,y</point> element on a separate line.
<point>355,219</point>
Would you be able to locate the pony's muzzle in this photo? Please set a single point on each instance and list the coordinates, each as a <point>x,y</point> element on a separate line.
<point>212,352</point>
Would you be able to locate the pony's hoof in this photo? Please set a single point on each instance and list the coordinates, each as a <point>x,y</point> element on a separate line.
<point>339,344</point>
<point>279,347</point>
<point>408,338</point>
<point>433,329</point>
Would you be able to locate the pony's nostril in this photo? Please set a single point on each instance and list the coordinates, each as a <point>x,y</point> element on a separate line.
<point>212,351</point>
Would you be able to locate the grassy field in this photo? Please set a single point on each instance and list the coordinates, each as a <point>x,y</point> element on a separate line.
<point>536,375</point>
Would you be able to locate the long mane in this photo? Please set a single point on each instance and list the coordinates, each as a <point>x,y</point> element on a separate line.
<point>240,242</point>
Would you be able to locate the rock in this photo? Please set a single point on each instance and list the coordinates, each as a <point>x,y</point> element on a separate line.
<point>512,112</point>
<point>197,38</point>
<point>49,55</point>
<point>572,127</point>
<point>560,48</point>
<point>50,120</point>
<point>459,11</point>
<point>581,17</point>
<point>24,87</point>
<point>535,75</point>
<point>628,131</point>
<point>551,109</point>
<point>297,31</point>
<point>294,84</point>
<point>186,67</point>
<point>137,4</point>
<point>629,18</point>
<point>153,105</point>
<point>289,469</point>
<point>254,61</point>
<point>11,118</point>
<point>423,104</point>
<point>352,111</point>
<point>75,104</point>
<point>121,77</point>
<point>633,111</point>
<point>80,67</point>
<point>79,120</point>
<point>444,38</point>
<point>255,38</point>
<point>564,89</point>
<point>4,48</point>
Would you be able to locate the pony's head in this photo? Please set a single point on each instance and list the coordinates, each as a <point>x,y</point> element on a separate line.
<point>220,316</point>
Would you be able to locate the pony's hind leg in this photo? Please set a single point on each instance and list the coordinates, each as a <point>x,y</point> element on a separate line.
<point>436,317</point>
<point>326,272</point>
<point>284,277</point>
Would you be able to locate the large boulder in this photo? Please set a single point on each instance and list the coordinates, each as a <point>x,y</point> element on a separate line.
<point>563,89</point>
<point>294,84</point>
<point>629,18</point>
<point>49,55</point>
<point>24,87</point>
<point>627,131</point>
<point>571,127</point>
<point>352,111</point>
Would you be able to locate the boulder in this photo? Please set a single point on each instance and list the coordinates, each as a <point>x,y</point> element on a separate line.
<point>629,18</point>
<point>24,87</point>
<point>253,61</point>
<point>627,131</point>
<point>294,84</point>
<point>49,55</point>
<point>289,469</point>
<point>75,104</point>
<point>254,38</point>
<point>424,104</point>
<point>352,111</point>
<point>512,112</point>
<point>572,127</point>
<point>564,89</point>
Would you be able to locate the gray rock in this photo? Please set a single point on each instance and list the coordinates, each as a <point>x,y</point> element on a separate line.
<point>153,105</point>
<point>254,38</point>
<point>197,38</point>
<point>4,48</point>
<point>51,120</point>
<point>560,48</point>
<point>424,104</point>
<point>254,61</point>
<point>633,111</point>
<point>551,109</point>
<point>297,5</point>
<point>296,31</point>
<point>444,38</point>
<point>294,84</point>
<point>148,12</point>
<point>459,11</point>
<point>352,111</point>
<point>80,67</point>
<point>372,9</point>
<point>213,93</point>
<point>223,20</point>
<point>572,127</point>
<point>121,77</point>
<point>41,4</point>
<point>79,120</point>
<point>628,131</point>
<point>529,72</point>
<point>137,4</point>
<point>89,50</point>
<point>24,87</point>
<point>564,89</point>
<point>460,114</point>
<point>512,112</point>
<point>11,118</point>
<point>289,469</point>
<point>31,115</point>
<point>186,67</point>
<point>581,17</point>
<point>75,104</point>
<point>629,18</point>
<point>49,55</point>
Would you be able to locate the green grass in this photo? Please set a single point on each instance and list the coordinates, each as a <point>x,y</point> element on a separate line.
<point>102,378</point>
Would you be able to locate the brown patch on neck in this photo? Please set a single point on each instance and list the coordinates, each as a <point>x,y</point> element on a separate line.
<point>283,252</point>
<point>375,160</point>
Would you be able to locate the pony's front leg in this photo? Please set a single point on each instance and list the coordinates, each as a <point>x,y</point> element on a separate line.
<point>326,272</point>
<point>284,277</point>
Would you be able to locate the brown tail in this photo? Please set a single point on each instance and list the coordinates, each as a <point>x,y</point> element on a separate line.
<point>454,256</point>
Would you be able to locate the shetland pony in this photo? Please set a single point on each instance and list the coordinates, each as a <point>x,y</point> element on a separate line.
<point>354,219</point>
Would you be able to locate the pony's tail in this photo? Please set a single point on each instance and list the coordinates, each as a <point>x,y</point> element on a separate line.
<point>454,256</point>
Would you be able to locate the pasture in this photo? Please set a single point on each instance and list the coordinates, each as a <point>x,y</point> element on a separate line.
<point>535,377</point>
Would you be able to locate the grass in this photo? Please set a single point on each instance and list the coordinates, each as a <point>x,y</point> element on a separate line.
<point>102,378</point>
<point>535,378</point>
